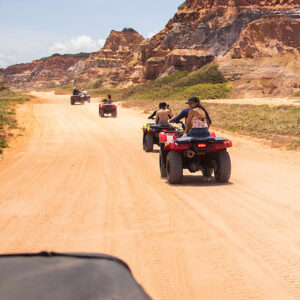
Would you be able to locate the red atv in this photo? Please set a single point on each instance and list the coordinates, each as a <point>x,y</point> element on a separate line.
<point>151,133</point>
<point>108,108</point>
<point>208,155</point>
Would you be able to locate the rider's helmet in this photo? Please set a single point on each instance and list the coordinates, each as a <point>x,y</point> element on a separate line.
<point>109,96</point>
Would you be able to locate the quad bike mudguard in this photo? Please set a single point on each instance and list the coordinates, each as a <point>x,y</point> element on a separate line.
<point>67,276</point>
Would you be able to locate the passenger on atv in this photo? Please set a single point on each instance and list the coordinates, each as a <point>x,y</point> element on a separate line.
<point>184,113</point>
<point>198,120</point>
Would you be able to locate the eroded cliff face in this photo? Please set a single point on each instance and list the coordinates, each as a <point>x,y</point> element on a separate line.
<point>265,61</point>
<point>48,72</point>
<point>211,27</point>
<point>116,64</point>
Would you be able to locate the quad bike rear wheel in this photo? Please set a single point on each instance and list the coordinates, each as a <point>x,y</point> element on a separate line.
<point>149,141</point>
<point>162,166</point>
<point>114,114</point>
<point>223,166</point>
<point>174,167</point>
<point>101,113</point>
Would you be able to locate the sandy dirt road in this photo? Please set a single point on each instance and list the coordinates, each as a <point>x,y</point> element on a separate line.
<point>76,182</point>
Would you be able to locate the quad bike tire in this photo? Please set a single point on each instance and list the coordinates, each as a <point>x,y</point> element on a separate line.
<point>223,166</point>
<point>101,113</point>
<point>174,167</point>
<point>149,141</point>
<point>72,102</point>
<point>162,167</point>
<point>207,172</point>
<point>114,114</point>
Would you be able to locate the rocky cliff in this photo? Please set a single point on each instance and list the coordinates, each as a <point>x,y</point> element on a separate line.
<point>115,64</point>
<point>241,34</point>
<point>207,29</point>
<point>48,71</point>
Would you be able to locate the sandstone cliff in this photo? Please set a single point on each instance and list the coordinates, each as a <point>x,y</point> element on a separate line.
<point>208,29</point>
<point>46,72</point>
<point>115,64</point>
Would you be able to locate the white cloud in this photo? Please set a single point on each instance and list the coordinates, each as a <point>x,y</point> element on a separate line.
<point>78,44</point>
<point>6,60</point>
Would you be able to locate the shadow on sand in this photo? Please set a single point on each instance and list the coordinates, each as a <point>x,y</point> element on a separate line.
<point>190,180</point>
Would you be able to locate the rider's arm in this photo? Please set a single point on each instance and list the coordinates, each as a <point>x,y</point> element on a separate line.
<point>170,114</point>
<point>189,122</point>
<point>153,115</point>
<point>182,115</point>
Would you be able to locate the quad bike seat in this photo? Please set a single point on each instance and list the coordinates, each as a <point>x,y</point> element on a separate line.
<point>208,139</point>
<point>161,126</point>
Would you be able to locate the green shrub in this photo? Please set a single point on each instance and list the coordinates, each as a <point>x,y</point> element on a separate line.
<point>297,94</point>
<point>207,74</point>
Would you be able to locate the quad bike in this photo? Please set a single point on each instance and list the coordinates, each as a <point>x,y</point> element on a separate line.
<point>68,276</point>
<point>208,155</point>
<point>80,98</point>
<point>151,132</point>
<point>108,108</point>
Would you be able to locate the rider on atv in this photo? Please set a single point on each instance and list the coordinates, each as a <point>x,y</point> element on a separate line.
<point>184,113</point>
<point>107,100</point>
<point>198,120</point>
<point>75,91</point>
<point>163,114</point>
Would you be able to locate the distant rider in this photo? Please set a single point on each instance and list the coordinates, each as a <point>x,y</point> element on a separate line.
<point>198,120</point>
<point>107,100</point>
<point>84,93</point>
<point>163,114</point>
<point>76,92</point>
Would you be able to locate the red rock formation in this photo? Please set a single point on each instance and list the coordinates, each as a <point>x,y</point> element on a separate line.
<point>208,25</point>
<point>115,63</point>
<point>49,71</point>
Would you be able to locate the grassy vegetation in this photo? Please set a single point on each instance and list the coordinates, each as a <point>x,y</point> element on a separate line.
<point>8,123</point>
<point>206,83</point>
<point>277,124</point>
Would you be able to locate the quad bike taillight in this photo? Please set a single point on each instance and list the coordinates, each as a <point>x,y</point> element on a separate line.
<point>201,145</point>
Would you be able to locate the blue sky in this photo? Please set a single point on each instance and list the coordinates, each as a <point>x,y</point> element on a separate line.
<point>31,29</point>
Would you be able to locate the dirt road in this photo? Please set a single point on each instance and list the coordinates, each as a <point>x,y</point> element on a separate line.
<point>76,182</point>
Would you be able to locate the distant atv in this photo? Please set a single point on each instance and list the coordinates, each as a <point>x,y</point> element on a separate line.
<point>208,155</point>
<point>151,133</point>
<point>80,98</point>
<point>108,108</point>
